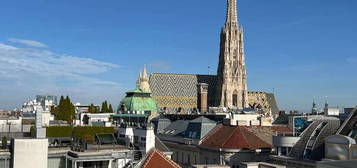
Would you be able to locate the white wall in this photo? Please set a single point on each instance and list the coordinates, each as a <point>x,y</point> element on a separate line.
<point>46,117</point>
<point>30,153</point>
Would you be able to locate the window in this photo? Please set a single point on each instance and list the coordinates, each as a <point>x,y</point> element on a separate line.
<point>193,134</point>
<point>235,98</point>
<point>136,139</point>
<point>182,158</point>
<point>188,159</point>
<point>143,139</point>
<point>189,134</point>
<point>176,156</point>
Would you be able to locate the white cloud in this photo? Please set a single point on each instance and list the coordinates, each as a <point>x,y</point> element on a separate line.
<point>30,43</point>
<point>25,72</point>
<point>7,47</point>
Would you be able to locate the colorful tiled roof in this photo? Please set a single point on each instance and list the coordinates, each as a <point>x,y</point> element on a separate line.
<point>234,137</point>
<point>180,90</point>
<point>156,159</point>
<point>175,91</point>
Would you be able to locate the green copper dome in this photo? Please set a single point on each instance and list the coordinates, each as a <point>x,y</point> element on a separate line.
<point>139,100</point>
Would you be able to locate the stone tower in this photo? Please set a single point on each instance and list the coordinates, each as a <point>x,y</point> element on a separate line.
<point>232,77</point>
<point>143,81</point>
<point>202,97</point>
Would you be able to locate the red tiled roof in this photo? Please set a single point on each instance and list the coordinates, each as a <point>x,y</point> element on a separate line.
<point>156,159</point>
<point>234,137</point>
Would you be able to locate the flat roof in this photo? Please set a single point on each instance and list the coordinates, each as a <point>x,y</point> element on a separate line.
<point>99,150</point>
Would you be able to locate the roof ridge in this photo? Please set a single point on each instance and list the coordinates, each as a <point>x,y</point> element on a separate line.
<point>246,140</point>
<point>226,140</point>
<point>166,148</point>
<point>215,129</point>
<point>262,140</point>
<point>148,157</point>
<point>166,158</point>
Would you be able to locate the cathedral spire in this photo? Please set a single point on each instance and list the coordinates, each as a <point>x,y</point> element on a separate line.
<point>231,87</point>
<point>144,81</point>
<point>231,12</point>
<point>145,75</point>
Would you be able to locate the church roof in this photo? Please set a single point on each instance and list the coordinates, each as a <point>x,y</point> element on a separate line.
<point>180,85</point>
<point>180,90</point>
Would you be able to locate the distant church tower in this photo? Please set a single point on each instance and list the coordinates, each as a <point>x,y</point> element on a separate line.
<point>232,77</point>
<point>143,81</point>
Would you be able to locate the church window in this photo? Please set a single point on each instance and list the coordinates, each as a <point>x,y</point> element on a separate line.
<point>235,98</point>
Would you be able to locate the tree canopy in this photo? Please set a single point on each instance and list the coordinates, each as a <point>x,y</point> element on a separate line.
<point>65,110</point>
<point>106,108</point>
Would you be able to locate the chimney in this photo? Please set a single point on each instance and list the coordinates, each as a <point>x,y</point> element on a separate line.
<point>202,98</point>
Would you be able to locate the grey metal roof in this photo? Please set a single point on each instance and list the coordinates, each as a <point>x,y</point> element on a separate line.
<point>176,128</point>
<point>160,145</point>
<point>202,120</point>
<point>199,128</point>
<point>160,123</point>
<point>282,120</point>
<point>160,118</point>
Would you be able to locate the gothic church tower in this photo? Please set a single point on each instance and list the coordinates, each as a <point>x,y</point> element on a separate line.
<point>232,77</point>
<point>143,81</point>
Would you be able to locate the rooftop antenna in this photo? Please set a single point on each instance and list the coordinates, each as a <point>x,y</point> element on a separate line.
<point>209,70</point>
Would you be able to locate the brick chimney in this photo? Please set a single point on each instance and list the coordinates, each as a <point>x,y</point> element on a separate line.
<point>202,97</point>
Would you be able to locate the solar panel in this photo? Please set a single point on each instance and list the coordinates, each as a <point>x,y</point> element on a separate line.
<point>106,139</point>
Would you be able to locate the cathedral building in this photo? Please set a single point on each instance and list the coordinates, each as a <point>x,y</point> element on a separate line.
<point>185,93</point>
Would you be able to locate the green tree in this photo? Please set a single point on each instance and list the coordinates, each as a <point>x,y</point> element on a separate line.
<point>96,110</point>
<point>4,142</point>
<point>91,108</point>
<point>53,110</point>
<point>110,109</point>
<point>105,108</point>
<point>65,110</point>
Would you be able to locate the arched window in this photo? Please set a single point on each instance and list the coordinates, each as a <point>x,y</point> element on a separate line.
<point>235,98</point>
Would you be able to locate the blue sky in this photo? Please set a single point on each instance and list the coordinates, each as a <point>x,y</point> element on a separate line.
<point>93,50</point>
